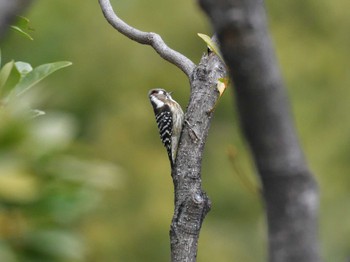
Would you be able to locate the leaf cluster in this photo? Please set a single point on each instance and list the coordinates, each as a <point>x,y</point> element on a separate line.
<point>45,188</point>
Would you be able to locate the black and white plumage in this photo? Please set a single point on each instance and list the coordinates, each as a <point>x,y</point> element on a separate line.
<point>169,118</point>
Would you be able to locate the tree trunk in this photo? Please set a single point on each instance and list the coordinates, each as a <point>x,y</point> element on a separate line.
<point>290,191</point>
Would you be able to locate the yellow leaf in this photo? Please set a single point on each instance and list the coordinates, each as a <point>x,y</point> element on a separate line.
<point>222,85</point>
<point>211,45</point>
<point>18,186</point>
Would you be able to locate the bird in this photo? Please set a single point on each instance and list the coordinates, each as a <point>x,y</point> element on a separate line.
<point>169,117</point>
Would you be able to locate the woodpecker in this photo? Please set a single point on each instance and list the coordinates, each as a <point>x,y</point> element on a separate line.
<point>169,118</point>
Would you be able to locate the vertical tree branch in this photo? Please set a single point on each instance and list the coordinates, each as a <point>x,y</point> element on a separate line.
<point>191,202</point>
<point>290,191</point>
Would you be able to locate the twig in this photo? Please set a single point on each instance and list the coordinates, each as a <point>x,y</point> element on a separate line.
<point>242,177</point>
<point>147,38</point>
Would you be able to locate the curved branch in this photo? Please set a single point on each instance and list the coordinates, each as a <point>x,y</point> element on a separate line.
<point>147,38</point>
<point>191,202</point>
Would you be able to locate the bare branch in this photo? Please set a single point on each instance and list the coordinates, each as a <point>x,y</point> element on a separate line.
<point>147,38</point>
<point>191,202</point>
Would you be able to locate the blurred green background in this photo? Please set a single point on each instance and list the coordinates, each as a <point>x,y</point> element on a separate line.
<point>89,181</point>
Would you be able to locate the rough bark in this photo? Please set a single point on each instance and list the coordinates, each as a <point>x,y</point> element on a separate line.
<point>191,202</point>
<point>290,191</point>
<point>9,9</point>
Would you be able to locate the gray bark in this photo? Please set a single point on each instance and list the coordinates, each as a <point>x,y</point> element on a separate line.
<point>289,190</point>
<point>147,38</point>
<point>191,202</point>
<point>9,9</point>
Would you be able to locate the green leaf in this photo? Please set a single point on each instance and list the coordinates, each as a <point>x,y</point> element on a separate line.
<point>22,22</point>
<point>12,81</point>
<point>211,45</point>
<point>16,28</point>
<point>21,26</point>
<point>58,244</point>
<point>0,57</point>
<point>23,68</point>
<point>38,74</point>
<point>5,73</point>
<point>18,186</point>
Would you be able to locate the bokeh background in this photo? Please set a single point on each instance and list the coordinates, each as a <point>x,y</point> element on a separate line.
<point>89,181</point>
